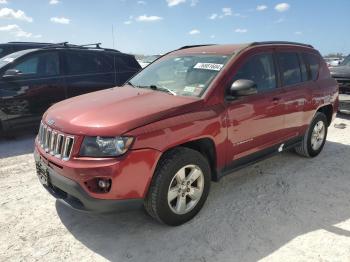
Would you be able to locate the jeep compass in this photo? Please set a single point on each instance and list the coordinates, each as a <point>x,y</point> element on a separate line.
<point>191,117</point>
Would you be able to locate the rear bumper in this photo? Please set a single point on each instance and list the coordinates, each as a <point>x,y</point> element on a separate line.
<point>70,193</point>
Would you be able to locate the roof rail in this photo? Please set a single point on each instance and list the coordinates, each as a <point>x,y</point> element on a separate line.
<point>19,42</point>
<point>279,43</point>
<point>64,44</point>
<point>98,45</point>
<point>190,46</point>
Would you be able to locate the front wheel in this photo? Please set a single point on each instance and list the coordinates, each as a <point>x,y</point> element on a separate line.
<point>315,137</point>
<point>179,187</point>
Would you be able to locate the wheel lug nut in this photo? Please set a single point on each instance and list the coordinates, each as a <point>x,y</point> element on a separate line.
<point>188,190</point>
<point>183,194</point>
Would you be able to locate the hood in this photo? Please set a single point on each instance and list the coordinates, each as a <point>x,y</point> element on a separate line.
<point>340,71</point>
<point>114,111</point>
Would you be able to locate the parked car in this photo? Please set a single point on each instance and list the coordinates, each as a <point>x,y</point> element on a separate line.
<point>11,47</point>
<point>341,73</point>
<point>333,61</point>
<point>147,60</point>
<point>34,79</point>
<point>194,115</point>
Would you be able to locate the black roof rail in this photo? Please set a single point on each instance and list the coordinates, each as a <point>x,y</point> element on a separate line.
<point>280,43</point>
<point>64,44</point>
<point>190,46</point>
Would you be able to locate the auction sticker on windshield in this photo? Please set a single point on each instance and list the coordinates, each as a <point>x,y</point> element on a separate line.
<point>209,66</point>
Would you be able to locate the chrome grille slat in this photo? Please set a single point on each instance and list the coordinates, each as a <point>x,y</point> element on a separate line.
<point>55,143</point>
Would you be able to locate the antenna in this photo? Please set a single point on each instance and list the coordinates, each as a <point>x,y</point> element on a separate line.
<point>113,35</point>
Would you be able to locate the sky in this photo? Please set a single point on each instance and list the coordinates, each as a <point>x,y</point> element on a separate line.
<point>158,26</point>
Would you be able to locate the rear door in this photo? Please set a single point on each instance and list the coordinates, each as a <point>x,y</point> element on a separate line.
<point>256,122</point>
<point>26,96</point>
<point>88,71</point>
<point>297,87</point>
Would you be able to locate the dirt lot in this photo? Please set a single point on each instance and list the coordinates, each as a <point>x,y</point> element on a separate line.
<point>286,208</point>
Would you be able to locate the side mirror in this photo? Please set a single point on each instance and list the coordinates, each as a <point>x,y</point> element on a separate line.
<point>243,87</point>
<point>11,73</point>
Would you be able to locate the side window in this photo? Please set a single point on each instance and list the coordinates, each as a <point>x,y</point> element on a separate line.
<point>42,64</point>
<point>260,69</point>
<point>87,62</point>
<point>125,64</point>
<point>313,62</point>
<point>290,68</point>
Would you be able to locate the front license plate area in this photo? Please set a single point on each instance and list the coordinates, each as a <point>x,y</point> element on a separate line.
<point>43,173</point>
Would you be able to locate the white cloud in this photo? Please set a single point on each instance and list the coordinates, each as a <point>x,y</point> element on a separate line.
<point>194,2</point>
<point>282,7</point>
<point>141,2</point>
<point>7,28</point>
<point>9,13</point>
<point>17,31</point>
<point>127,22</point>
<point>298,33</point>
<point>213,16</point>
<point>54,2</point>
<point>3,2</point>
<point>151,18</point>
<point>175,2</point>
<point>261,7</point>
<point>60,20</point>
<point>226,11</point>
<point>194,32</point>
<point>241,30</point>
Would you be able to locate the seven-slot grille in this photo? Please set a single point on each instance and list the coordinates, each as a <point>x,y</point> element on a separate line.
<point>54,143</point>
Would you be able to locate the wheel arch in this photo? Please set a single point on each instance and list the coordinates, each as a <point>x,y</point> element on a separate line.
<point>206,147</point>
<point>327,110</point>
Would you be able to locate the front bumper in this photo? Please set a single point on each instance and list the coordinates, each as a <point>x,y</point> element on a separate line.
<point>70,193</point>
<point>130,176</point>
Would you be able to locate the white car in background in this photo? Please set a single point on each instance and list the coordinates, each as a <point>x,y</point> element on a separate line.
<point>333,61</point>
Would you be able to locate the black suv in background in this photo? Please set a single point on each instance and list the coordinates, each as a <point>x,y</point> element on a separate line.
<point>12,47</point>
<point>341,73</point>
<point>32,80</point>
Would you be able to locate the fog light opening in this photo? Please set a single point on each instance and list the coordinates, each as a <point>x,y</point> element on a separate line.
<point>104,184</point>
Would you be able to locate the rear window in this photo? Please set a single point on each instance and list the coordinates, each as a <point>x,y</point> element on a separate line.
<point>127,63</point>
<point>87,62</point>
<point>313,63</point>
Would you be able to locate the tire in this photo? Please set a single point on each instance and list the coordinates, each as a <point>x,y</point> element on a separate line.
<point>307,147</point>
<point>166,184</point>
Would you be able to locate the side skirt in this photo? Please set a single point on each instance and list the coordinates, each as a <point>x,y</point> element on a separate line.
<point>258,156</point>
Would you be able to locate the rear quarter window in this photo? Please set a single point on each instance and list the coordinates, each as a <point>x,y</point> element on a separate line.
<point>313,63</point>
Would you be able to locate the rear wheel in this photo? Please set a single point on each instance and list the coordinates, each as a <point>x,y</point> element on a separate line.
<point>315,137</point>
<point>179,187</point>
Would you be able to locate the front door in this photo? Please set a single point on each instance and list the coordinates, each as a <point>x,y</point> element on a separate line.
<point>27,95</point>
<point>255,122</point>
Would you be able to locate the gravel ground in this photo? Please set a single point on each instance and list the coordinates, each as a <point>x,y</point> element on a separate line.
<point>286,208</point>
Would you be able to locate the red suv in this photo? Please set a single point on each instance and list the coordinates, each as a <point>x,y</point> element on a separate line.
<point>189,118</point>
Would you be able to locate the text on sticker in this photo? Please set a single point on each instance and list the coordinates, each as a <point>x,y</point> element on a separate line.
<point>209,66</point>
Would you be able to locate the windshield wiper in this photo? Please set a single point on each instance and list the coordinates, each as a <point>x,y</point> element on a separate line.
<point>131,84</point>
<point>161,88</point>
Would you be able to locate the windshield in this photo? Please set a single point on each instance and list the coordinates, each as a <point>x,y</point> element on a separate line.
<point>11,57</point>
<point>182,75</point>
<point>346,61</point>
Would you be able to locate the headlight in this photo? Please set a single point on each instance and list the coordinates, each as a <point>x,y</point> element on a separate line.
<point>97,146</point>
